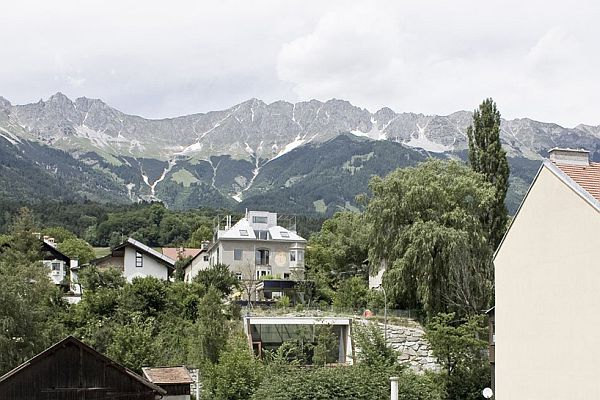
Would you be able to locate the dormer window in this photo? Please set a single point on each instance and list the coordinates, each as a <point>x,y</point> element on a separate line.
<point>243,232</point>
<point>262,234</point>
<point>285,234</point>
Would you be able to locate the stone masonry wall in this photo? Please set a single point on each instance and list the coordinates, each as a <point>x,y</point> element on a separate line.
<point>412,345</point>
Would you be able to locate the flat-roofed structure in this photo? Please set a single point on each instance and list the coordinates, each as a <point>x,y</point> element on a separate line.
<point>268,333</point>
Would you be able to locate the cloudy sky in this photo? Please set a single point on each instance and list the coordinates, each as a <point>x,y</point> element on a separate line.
<point>168,58</point>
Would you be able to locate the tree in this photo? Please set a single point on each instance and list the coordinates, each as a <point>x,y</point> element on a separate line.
<point>91,278</point>
<point>212,332</point>
<point>218,276</point>
<point>487,157</point>
<point>336,252</point>
<point>373,349</point>
<point>427,227</point>
<point>460,350</point>
<point>236,376</point>
<point>31,304</point>
<point>351,293</point>
<point>59,233</point>
<point>78,249</point>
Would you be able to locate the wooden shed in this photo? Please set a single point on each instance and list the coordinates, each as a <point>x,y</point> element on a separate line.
<point>175,380</point>
<point>71,370</point>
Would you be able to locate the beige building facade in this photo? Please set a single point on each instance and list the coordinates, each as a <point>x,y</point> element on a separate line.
<point>547,272</point>
<point>256,247</point>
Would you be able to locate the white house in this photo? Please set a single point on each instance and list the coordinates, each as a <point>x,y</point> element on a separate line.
<point>197,263</point>
<point>135,259</point>
<point>547,273</point>
<point>256,246</point>
<point>61,268</point>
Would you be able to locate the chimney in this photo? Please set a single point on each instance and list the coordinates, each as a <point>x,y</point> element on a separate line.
<point>569,156</point>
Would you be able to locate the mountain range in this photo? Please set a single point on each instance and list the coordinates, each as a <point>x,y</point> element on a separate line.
<point>299,157</point>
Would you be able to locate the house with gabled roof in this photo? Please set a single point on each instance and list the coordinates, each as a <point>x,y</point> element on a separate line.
<point>175,381</point>
<point>547,286</point>
<point>70,369</point>
<point>135,259</point>
<point>257,247</point>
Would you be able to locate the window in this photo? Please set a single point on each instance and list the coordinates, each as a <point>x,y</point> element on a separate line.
<point>262,257</point>
<point>237,254</point>
<point>206,258</point>
<point>293,256</point>
<point>238,275</point>
<point>262,234</point>
<point>139,259</point>
<point>285,234</point>
<point>243,232</point>
<point>300,255</point>
<point>56,266</point>
<point>286,275</point>
<point>260,274</point>
<point>259,220</point>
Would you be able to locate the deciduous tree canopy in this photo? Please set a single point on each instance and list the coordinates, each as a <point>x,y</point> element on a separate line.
<point>427,226</point>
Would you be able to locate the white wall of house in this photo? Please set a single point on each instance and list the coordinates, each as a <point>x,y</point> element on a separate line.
<point>150,266</point>
<point>199,263</point>
<point>547,290</point>
<point>57,270</point>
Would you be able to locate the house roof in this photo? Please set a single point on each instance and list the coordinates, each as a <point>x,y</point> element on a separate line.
<point>47,247</point>
<point>74,341</point>
<point>586,176</point>
<point>168,375</point>
<point>568,176</point>
<point>189,261</point>
<point>243,230</point>
<point>175,253</point>
<point>147,250</point>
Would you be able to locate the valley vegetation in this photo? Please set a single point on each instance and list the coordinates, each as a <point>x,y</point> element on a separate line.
<point>434,228</point>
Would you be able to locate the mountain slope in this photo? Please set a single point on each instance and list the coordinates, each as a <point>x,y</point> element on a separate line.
<point>253,154</point>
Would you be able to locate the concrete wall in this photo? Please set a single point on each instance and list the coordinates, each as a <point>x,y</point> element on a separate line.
<point>548,297</point>
<point>151,267</point>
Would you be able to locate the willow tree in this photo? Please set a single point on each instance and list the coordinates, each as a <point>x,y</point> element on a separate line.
<point>487,157</point>
<point>427,226</point>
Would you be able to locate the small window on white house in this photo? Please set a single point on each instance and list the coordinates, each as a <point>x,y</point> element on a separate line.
<point>300,255</point>
<point>205,258</point>
<point>259,220</point>
<point>237,254</point>
<point>56,266</point>
<point>243,232</point>
<point>293,256</point>
<point>286,275</point>
<point>285,234</point>
<point>238,275</point>
<point>139,259</point>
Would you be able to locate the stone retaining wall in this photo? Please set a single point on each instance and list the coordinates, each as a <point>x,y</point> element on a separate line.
<point>412,345</point>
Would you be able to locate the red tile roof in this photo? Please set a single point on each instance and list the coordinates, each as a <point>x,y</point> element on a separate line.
<point>586,176</point>
<point>176,252</point>
<point>168,375</point>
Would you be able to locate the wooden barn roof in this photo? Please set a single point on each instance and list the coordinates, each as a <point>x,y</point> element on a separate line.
<point>70,340</point>
<point>168,375</point>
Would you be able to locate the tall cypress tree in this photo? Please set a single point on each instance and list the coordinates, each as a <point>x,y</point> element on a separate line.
<point>487,157</point>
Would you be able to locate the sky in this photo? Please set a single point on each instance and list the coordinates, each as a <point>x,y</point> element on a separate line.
<point>536,59</point>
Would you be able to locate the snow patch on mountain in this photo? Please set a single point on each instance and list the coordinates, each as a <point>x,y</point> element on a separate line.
<point>420,140</point>
<point>10,137</point>
<point>374,133</point>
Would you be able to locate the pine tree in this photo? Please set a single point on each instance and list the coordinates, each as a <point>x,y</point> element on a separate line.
<point>487,157</point>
